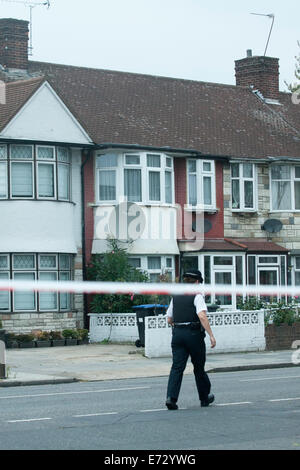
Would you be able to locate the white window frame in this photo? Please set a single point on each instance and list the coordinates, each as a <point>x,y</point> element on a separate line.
<point>50,309</point>
<point>46,162</point>
<point>163,264</point>
<point>4,163</point>
<point>241,178</point>
<point>122,165</point>
<point>18,158</point>
<point>25,269</point>
<point>48,269</point>
<point>292,181</point>
<point>2,271</point>
<point>200,175</point>
<point>45,159</point>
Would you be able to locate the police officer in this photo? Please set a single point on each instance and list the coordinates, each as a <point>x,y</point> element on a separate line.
<point>187,315</point>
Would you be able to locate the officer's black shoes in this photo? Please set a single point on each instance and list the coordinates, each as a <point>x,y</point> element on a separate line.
<point>171,404</point>
<point>209,400</point>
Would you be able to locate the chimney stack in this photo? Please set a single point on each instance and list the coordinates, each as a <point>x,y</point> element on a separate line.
<point>260,72</point>
<point>14,43</point>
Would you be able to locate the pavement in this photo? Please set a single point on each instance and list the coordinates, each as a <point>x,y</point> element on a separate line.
<point>95,362</point>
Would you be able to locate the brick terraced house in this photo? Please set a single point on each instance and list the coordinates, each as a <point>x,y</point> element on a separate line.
<point>76,144</point>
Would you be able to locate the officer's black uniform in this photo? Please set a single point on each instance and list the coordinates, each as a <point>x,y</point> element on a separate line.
<point>187,340</point>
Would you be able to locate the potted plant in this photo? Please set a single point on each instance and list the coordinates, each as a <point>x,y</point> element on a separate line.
<point>43,340</point>
<point>70,337</point>
<point>11,341</point>
<point>26,340</point>
<point>57,339</point>
<point>83,336</point>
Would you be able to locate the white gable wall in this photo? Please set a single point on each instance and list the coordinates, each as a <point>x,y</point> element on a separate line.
<point>45,118</point>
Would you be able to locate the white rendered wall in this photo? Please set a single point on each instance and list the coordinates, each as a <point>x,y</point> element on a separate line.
<point>118,327</point>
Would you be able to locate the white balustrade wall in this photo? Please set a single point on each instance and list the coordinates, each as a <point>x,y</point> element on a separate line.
<point>235,331</point>
<point>117,327</point>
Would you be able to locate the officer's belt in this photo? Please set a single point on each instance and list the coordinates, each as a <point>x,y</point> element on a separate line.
<point>193,325</point>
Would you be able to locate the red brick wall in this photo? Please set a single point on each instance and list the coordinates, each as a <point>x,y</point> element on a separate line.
<point>14,43</point>
<point>89,197</point>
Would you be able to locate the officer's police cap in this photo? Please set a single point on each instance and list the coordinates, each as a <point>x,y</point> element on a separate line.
<point>194,274</point>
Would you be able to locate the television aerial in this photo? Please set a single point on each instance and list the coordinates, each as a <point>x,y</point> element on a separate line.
<point>31,5</point>
<point>271,16</point>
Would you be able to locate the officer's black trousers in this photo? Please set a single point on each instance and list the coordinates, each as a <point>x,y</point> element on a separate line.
<point>187,342</point>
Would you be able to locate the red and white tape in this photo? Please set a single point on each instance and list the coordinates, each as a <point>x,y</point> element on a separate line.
<point>89,287</point>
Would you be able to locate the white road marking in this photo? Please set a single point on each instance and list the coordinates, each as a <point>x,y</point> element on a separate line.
<point>271,378</point>
<point>27,420</point>
<point>285,399</point>
<point>74,393</point>
<point>149,411</point>
<point>235,403</point>
<point>96,414</point>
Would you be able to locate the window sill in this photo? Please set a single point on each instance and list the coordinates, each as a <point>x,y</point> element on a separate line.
<point>212,210</point>
<point>144,204</point>
<point>244,211</point>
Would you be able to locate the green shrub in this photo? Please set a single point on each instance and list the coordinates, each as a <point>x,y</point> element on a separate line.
<point>73,334</point>
<point>55,335</point>
<point>24,338</point>
<point>82,333</point>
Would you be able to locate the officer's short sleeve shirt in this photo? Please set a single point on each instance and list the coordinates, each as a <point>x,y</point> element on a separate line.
<point>199,303</point>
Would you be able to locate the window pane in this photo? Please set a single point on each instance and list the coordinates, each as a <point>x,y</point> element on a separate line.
<point>23,262</point>
<point>223,278</point>
<point>153,161</point>
<point>193,190</point>
<point>297,171</point>
<point>154,262</point>
<point>24,300</point>
<point>168,187</point>
<point>107,185</point>
<point>207,190</point>
<point>207,269</point>
<point>222,260</point>
<point>235,170</point>
<point>169,162</point>
<point>3,262</point>
<point>65,298</point>
<point>282,270</point>
<point>63,155</point>
<point>154,277</point>
<point>48,261</point>
<point>23,152</point>
<point>235,194</point>
<point>281,195</point>
<point>169,262</point>
<point>132,159</point>
<point>192,165</point>
<point>248,194</point>
<point>64,262</point>
<point>4,295</point>
<point>21,179</point>
<point>247,170</point>
<point>239,270</point>
<point>154,186</point>
<point>268,259</point>
<point>297,279</point>
<point>297,258</point>
<point>3,179</point>
<point>297,195</point>
<point>45,180</point>
<point>251,270</point>
<point>133,185</point>
<point>63,182</point>
<point>281,172</point>
<point>189,262</point>
<point>107,161</point>
<point>135,262</point>
<point>45,153</point>
<point>3,151</point>
<point>206,166</point>
<point>48,300</point>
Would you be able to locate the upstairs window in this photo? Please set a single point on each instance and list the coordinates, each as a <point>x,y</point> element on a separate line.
<point>242,186</point>
<point>140,177</point>
<point>35,172</point>
<point>201,183</point>
<point>285,187</point>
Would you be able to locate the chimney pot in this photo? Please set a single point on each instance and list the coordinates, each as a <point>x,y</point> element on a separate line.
<point>249,52</point>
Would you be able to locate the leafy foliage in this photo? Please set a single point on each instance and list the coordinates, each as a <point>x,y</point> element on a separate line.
<point>295,86</point>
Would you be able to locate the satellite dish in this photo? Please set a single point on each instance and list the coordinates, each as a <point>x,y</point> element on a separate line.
<point>272,226</point>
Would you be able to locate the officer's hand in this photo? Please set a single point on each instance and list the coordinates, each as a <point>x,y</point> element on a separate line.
<point>212,341</point>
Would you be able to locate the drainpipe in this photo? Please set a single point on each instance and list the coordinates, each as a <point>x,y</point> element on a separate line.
<point>86,154</point>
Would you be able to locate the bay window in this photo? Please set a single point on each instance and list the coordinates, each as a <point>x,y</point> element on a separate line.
<point>201,183</point>
<point>40,171</point>
<point>140,177</point>
<point>243,186</point>
<point>30,267</point>
<point>155,266</point>
<point>285,187</point>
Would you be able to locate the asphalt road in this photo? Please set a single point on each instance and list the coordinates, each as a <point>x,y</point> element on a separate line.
<point>253,410</point>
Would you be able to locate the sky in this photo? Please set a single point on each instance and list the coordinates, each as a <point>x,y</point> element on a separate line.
<point>190,39</point>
